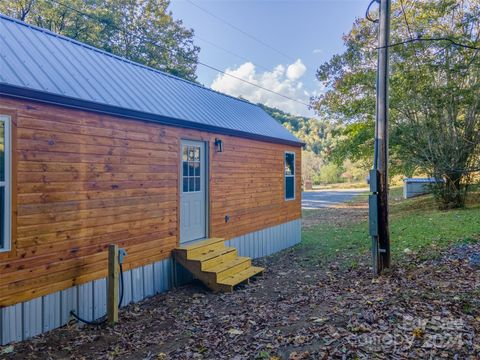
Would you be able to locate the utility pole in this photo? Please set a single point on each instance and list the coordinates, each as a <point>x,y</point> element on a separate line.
<point>378,200</point>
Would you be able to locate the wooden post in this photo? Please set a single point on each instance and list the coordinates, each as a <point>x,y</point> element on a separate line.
<point>112,285</point>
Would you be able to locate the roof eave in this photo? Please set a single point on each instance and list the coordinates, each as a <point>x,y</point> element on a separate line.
<point>55,99</point>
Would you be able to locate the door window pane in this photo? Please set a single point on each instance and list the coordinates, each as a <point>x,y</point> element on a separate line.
<point>191,168</point>
<point>191,171</point>
<point>197,183</point>
<point>191,153</point>
<point>191,186</point>
<point>196,166</point>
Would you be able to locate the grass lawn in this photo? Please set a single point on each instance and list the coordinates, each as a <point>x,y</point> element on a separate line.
<point>416,227</point>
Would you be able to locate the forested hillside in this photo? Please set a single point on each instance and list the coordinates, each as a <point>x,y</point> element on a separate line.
<point>317,135</point>
<point>321,138</point>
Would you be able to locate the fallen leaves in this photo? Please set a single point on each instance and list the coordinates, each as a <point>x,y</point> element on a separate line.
<point>7,350</point>
<point>235,332</point>
<point>298,310</point>
<point>299,356</point>
<point>418,333</point>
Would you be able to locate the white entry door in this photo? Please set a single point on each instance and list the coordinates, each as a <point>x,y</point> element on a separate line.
<point>193,191</point>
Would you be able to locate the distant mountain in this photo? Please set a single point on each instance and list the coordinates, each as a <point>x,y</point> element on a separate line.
<point>316,134</point>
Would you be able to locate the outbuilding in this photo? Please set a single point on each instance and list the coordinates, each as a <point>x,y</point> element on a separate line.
<point>96,149</point>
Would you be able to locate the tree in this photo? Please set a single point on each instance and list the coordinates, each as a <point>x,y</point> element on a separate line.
<point>311,166</point>
<point>434,98</point>
<point>139,30</point>
<point>318,135</point>
<point>331,174</point>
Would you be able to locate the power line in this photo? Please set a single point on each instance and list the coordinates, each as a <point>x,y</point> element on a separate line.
<point>183,56</point>
<point>241,31</point>
<point>230,52</point>
<point>418,39</point>
<point>367,12</point>
<point>256,85</point>
<point>453,42</point>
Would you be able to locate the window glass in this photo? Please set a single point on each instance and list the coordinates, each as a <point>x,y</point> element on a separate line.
<point>191,168</point>
<point>2,151</point>
<point>4,183</point>
<point>191,171</point>
<point>197,183</point>
<point>289,164</point>
<point>191,153</point>
<point>289,188</point>
<point>191,186</point>
<point>289,176</point>
<point>2,211</point>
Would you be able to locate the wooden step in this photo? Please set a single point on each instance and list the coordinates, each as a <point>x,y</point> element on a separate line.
<point>189,251</point>
<point>228,268</point>
<point>214,257</point>
<point>228,283</point>
<point>216,265</point>
<point>201,243</point>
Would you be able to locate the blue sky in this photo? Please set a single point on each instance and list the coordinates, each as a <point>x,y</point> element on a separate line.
<point>307,33</point>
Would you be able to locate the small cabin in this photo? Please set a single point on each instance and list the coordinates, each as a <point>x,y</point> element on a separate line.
<point>98,150</point>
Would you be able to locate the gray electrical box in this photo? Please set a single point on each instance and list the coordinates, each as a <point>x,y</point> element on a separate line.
<point>373,214</point>
<point>373,180</point>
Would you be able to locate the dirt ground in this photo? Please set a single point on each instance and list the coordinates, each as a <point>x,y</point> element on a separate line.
<point>297,310</point>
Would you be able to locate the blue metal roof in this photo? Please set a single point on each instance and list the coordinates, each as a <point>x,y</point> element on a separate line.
<point>40,65</point>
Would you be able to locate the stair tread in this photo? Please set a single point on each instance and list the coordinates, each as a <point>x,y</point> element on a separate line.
<point>202,243</point>
<point>211,254</point>
<point>241,276</point>
<point>227,264</point>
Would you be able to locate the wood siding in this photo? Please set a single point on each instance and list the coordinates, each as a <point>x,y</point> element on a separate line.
<point>84,180</point>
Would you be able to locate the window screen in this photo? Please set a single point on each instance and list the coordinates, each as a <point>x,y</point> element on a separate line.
<point>191,168</point>
<point>289,176</point>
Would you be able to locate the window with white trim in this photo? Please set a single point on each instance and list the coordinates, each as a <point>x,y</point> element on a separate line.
<point>289,175</point>
<point>5,183</point>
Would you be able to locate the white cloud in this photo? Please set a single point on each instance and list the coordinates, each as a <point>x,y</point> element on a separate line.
<point>317,51</point>
<point>281,79</point>
<point>296,70</point>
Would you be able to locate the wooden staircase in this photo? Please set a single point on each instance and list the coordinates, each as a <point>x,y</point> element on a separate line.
<point>217,266</point>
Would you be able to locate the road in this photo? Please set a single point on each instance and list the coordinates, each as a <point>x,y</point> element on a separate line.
<point>328,198</point>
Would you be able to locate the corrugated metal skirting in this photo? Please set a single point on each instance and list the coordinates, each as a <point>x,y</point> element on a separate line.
<point>268,241</point>
<point>25,320</point>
